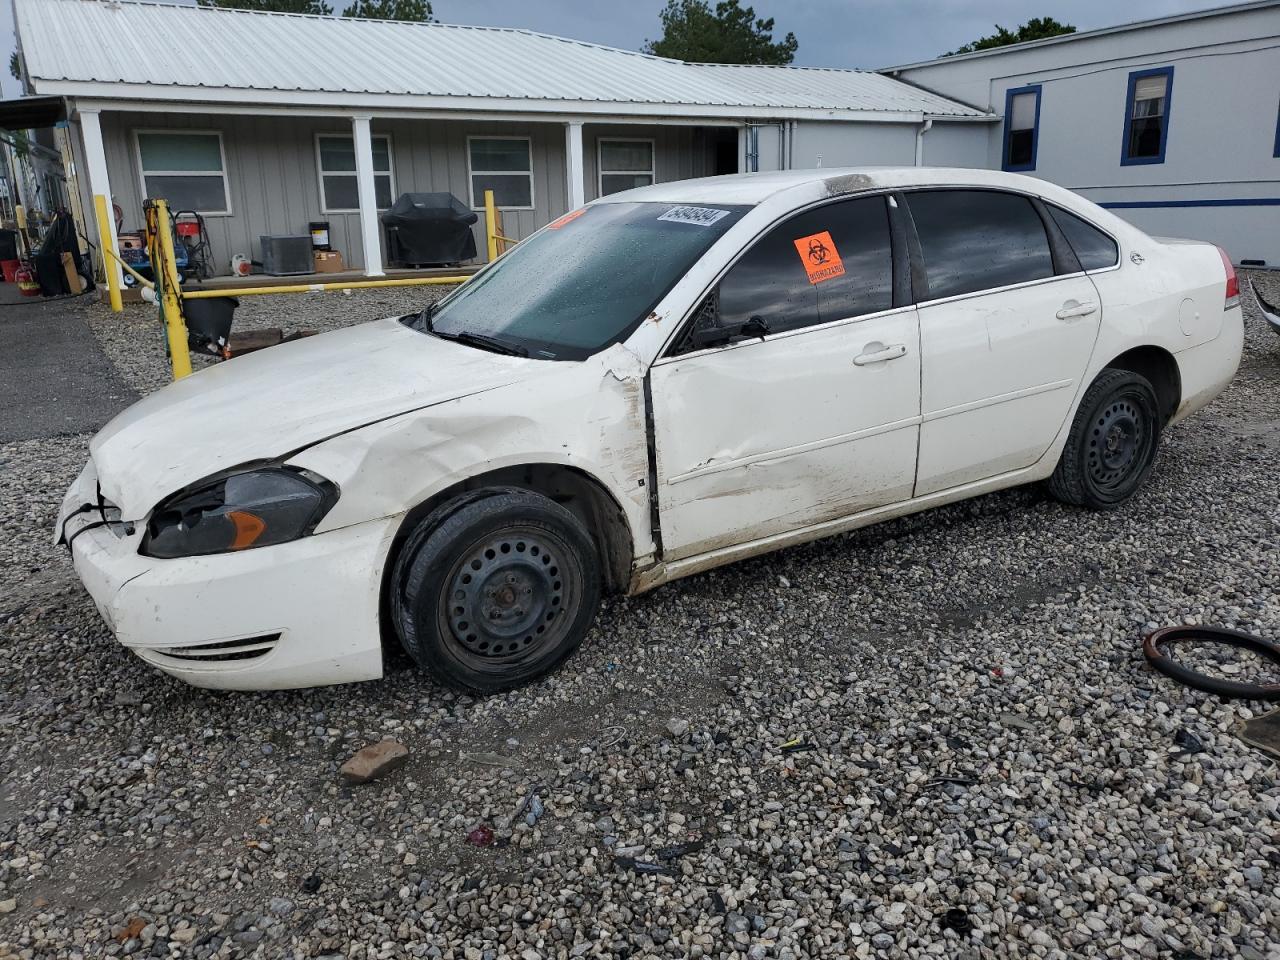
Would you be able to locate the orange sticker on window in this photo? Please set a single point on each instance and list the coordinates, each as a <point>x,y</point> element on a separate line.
<point>569,217</point>
<point>820,258</point>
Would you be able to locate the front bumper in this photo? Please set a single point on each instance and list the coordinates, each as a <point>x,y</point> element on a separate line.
<point>298,614</point>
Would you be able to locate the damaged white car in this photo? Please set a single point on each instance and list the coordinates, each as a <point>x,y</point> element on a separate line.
<point>664,381</point>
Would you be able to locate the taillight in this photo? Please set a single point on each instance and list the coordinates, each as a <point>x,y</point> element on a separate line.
<point>1233,282</point>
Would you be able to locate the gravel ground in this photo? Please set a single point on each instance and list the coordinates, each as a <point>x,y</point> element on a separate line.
<point>934,737</point>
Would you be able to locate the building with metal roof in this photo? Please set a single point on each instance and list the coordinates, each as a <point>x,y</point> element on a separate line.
<point>264,122</point>
<point>1173,123</point>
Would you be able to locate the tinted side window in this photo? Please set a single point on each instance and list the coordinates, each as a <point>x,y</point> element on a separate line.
<point>979,239</point>
<point>826,264</point>
<point>1093,248</point>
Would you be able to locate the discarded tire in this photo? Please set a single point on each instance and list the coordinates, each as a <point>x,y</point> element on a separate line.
<point>1156,644</point>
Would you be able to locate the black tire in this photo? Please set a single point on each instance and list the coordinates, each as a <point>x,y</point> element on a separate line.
<point>495,589</point>
<point>1112,444</point>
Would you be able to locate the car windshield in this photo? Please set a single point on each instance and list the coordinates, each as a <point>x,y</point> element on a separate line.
<point>582,284</point>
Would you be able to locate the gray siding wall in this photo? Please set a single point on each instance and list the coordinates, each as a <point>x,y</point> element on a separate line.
<point>837,144</point>
<point>274,181</point>
<point>1221,122</point>
<point>678,152</point>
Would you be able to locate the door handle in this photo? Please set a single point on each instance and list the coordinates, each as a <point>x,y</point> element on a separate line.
<point>879,353</point>
<point>1073,310</point>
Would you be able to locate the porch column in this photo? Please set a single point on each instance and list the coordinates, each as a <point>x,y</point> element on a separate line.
<point>574,177</point>
<point>367,195</point>
<point>95,161</point>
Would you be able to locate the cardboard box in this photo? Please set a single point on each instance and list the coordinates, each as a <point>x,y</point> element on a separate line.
<point>329,261</point>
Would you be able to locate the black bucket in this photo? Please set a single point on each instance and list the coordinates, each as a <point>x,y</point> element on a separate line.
<point>209,323</point>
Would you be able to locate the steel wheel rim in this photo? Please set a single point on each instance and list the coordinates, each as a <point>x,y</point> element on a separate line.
<point>1119,441</point>
<point>509,598</point>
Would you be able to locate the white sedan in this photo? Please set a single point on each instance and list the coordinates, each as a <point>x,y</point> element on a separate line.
<point>663,381</point>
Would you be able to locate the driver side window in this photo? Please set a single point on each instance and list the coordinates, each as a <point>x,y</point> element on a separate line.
<point>829,263</point>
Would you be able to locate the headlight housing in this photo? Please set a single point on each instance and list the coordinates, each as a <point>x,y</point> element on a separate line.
<point>241,511</point>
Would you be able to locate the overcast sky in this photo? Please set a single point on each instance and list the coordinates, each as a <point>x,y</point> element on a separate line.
<point>832,33</point>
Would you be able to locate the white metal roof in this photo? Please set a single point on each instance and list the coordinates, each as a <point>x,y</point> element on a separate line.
<point>158,51</point>
<point>1091,34</point>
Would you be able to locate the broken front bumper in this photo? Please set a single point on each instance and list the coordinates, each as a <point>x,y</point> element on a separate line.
<point>298,614</point>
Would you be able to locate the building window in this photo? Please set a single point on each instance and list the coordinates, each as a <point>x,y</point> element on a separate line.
<point>1021,127</point>
<point>1146,128</point>
<point>624,163</point>
<point>188,169</point>
<point>503,165</point>
<point>336,158</point>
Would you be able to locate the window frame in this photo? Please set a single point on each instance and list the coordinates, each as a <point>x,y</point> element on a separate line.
<point>1059,249</point>
<point>652,172</point>
<point>1050,206</point>
<point>1126,160</point>
<point>224,173</point>
<point>1031,88</point>
<point>477,203</point>
<point>903,252</point>
<point>390,172</point>
<point>1275,152</point>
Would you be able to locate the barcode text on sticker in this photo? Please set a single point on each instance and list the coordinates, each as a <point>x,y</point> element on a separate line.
<point>699,216</point>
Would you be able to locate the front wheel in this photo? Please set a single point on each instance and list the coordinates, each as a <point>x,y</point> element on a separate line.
<point>495,589</point>
<point>1112,444</point>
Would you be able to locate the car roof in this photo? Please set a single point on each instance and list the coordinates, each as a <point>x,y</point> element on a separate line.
<point>755,188</point>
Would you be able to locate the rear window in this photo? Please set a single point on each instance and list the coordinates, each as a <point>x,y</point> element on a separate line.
<point>1093,248</point>
<point>978,240</point>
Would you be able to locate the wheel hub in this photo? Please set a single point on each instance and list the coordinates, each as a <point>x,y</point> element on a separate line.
<point>1117,438</point>
<point>504,594</point>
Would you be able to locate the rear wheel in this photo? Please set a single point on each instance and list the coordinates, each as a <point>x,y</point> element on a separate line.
<point>495,589</point>
<point>1112,444</point>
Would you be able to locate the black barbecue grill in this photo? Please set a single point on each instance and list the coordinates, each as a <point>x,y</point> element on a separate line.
<point>429,228</point>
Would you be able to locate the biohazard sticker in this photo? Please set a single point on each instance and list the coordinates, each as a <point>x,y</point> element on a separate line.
<point>699,216</point>
<point>569,217</point>
<point>820,258</point>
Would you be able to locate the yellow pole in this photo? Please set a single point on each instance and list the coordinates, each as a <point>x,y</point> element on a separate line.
<point>491,225</point>
<point>179,353</point>
<point>101,211</point>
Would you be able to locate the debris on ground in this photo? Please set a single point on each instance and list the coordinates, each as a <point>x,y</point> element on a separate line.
<point>677,727</point>
<point>374,761</point>
<point>480,836</point>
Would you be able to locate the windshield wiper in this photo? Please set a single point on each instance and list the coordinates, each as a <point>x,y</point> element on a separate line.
<point>422,319</point>
<point>485,342</point>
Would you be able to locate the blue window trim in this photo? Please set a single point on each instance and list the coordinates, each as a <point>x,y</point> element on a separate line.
<point>1125,159</point>
<point>1008,131</point>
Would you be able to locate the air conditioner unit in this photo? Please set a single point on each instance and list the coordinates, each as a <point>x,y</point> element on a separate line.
<point>284,256</point>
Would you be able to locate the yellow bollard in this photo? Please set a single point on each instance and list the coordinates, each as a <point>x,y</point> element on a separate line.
<point>491,225</point>
<point>166,274</point>
<point>104,239</point>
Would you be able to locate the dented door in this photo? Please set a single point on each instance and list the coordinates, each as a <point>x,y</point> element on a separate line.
<point>813,413</point>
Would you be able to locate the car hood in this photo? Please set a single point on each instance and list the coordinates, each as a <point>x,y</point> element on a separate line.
<point>275,402</point>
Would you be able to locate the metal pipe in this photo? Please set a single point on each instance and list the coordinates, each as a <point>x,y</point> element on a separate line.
<point>322,287</point>
<point>167,277</point>
<point>104,240</point>
<point>924,128</point>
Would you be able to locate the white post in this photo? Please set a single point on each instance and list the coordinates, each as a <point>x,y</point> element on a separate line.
<point>95,160</point>
<point>574,177</point>
<point>742,149</point>
<point>367,195</point>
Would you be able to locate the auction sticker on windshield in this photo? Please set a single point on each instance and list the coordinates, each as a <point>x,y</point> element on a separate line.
<point>569,217</point>
<point>699,216</point>
<point>820,258</point>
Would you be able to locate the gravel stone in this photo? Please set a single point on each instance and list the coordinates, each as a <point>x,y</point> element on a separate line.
<point>141,817</point>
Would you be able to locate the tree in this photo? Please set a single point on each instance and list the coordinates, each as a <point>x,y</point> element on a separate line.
<point>1037,28</point>
<point>417,11</point>
<point>414,10</point>
<point>15,67</point>
<point>692,31</point>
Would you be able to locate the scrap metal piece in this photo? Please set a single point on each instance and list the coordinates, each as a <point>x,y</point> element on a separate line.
<point>1263,732</point>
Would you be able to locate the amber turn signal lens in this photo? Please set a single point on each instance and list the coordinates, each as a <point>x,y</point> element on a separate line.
<point>248,526</point>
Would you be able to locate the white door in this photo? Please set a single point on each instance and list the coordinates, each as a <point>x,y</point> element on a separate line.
<point>796,397</point>
<point>1006,334</point>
